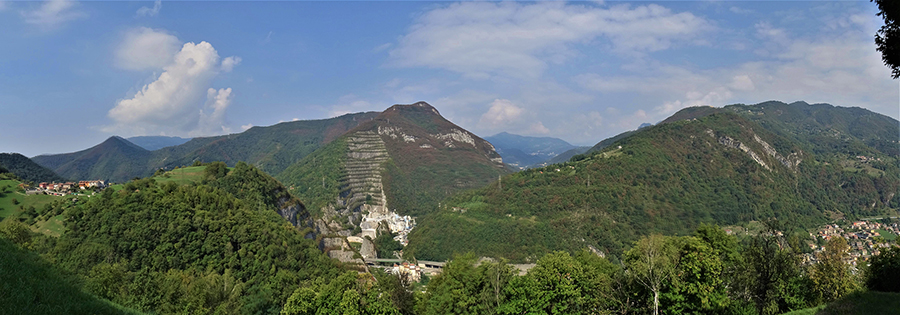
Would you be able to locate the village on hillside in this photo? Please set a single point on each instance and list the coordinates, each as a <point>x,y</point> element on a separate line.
<point>67,188</point>
<point>866,238</point>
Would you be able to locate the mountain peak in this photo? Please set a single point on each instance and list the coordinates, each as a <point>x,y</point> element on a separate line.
<point>419,106</point>
<point>117,141</point>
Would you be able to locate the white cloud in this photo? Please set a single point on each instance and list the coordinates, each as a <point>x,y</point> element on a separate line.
<point>212,123</point>
<point>538,128</point>
<point>146,48</point>
<point>53,13</point>
<point>739,10</point>
<point>483,39</point>
<point>501,114</point>
<point>229,62</point>
<point>245,127</point>
<point>145,11</point>
<point>2,5</point>
<point>841,69</point>
<point>174,101</point>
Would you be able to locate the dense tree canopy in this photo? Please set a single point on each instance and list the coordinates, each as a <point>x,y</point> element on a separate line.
<point>888,37</point>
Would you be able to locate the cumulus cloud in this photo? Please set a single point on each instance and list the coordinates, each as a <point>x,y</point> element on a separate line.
<point>145,48</point>
<point>842,69</point>
<point>53,13</point>
<point>174,101</point>
<point>502,113</point>
<point>482,39</point>
<point>146,11</point>
<point>229,62</point>
<point>212,115</point>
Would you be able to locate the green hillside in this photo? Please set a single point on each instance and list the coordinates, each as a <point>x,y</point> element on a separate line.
<point>26,169</point>
<point>214,246</point>
<point>115,159</point>
<point>664,179</point>
<point>31,285</point>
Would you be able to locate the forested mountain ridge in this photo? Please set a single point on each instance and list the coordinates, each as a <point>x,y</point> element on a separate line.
<point>719,167</point>
<point>218,246</point>
<point>270,148</point>
<point>26,169</point>
<point>114,159</point>
<point>823,129</point>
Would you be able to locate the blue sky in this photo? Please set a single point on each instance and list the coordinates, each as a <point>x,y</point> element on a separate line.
<point>74,73</point>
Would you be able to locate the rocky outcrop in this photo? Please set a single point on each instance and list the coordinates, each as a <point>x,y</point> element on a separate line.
<point>732,143</point>
<point>791,162</point>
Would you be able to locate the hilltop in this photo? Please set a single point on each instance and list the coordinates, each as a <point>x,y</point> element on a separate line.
<point>718,166</point>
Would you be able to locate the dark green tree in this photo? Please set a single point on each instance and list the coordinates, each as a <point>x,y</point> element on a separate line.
<point>888,37</point>
<point>884,271</point>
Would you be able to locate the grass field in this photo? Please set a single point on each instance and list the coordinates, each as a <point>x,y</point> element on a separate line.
<point>184,175</point>
<point>52,227</point>
<point>870,302</point>
<point>888,236</point>
<point>7,208</point>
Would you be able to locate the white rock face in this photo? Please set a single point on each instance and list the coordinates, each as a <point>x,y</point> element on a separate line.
<point>729,142</point>
<point>456,135</point>
<point>791,162</point>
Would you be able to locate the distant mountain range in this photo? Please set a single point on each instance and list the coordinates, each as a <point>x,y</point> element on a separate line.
<point>524,151</point>
<point>152,143</point>
<point>271,148</point>
<point>799,163</point>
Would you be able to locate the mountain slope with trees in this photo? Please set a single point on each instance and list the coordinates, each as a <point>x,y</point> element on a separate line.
<point>718,167</point>
<point>407,159</point>
<point>26,169</point>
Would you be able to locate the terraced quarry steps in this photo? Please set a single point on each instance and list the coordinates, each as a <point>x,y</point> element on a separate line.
<point>362,172</point>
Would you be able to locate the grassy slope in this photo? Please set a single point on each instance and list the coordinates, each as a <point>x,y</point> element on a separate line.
<point>862,303</point>
<point>30,285</point>
<point>7,208</point>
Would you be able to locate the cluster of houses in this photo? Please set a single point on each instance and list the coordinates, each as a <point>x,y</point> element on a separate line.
<point>867,159</point>
<point>860,235</point>
<point>413,272</point>
<point>70,186</point>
